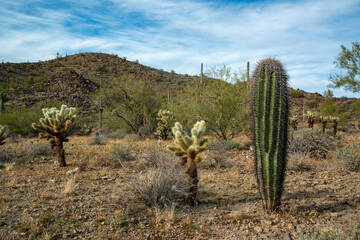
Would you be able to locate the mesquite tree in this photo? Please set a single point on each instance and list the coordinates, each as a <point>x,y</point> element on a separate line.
<point>2,134</point>
<point>270,114</point>
<point>55,124</point>
<point>188,148</point>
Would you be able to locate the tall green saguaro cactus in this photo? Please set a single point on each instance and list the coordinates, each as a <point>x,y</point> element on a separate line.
<point>55,124</point>
<point>2,134</point>
<point>188,148</point>
<point>270,114</point>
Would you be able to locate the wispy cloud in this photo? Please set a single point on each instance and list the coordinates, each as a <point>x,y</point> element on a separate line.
<point>179,35</point>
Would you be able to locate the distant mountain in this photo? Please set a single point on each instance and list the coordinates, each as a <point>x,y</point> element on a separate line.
<point>76,79</point>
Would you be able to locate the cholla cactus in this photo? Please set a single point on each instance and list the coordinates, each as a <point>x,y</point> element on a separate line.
<point>165,120</point>
<point>324,121</point>
<point>294,125</point>
<point>3,100</point>
<point>188,148</point>
<point>335,122</point>
<point>2,134</point>
<point>55,124</point>
<point>310,119</point>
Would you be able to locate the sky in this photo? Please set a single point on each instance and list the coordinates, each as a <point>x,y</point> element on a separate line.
<point>180,35</point>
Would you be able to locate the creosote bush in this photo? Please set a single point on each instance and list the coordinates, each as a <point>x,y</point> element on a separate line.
<point>124,151</point>
<point>311,141</point>
<point>98,140</point>
<point>348,157</point>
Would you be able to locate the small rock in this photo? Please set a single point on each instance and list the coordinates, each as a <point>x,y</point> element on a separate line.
<point>258,229</point>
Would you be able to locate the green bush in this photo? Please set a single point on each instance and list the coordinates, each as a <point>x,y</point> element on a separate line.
<point>348,157</point>
<point>296,93</point>
<point>124,151</point>
<point>313,142</point>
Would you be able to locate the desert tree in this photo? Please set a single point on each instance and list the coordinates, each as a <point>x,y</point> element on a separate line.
<point>348,60</point>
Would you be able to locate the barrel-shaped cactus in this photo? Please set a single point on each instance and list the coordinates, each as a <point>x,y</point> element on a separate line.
<point>165,121</point>
<point>270,116</point>
<point>55,124</point>
<point>188,148</point>
<point>2,134</point>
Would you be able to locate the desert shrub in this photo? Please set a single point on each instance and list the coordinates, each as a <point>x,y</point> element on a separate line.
<point>310,141</point>
<point>6,156</point>
<point>330,109</point>
<point>297,160</point>
<point>296,93</point>
<point>97,140</point>
<point>348,157</point>
<point>160,186</point>
<point>223,145</point>
<point>131,137</point>
<point>155,154</point>
<point>124,151</point>
<point>39,149</point>
<point>355,106</point>
<point>115,134</point>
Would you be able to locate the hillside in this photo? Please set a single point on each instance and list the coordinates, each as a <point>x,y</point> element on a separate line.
<point>76,79</point>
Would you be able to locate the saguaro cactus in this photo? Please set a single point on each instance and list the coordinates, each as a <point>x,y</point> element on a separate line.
<point>324,121</point>
<point>165,120</point>
<point>188,148</point>
<point>55,124</point>
<point>310,119</point>
<point>335,122</point>
<point>2,134</point>
<point>270,114</point>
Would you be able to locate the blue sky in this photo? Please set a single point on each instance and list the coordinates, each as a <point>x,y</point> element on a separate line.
<point>179,35</point>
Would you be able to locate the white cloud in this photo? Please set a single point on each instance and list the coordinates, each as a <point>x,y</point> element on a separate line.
<point>179,35</point>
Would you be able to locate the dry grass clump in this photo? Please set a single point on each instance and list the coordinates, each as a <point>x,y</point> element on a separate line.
<point>348,157</point>
<point>124,151</point>
<point>6,156</point>
<point>297,160</point>
<point>159,186</point>
<point>155,154</point>
<point>39,149</point>
<point>98,140</point>
<point>312,142</point>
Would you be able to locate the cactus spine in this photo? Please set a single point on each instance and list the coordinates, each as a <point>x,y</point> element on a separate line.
<point>165,121</point>
<point>270,113</point>
<point>188,148</point>
<point>2,134</point>
<point>55,124</point>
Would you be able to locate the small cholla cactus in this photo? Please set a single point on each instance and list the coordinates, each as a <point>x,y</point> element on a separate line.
<point>55,124</point>
<point>165,121</point>
<point>188,148</point>
<point>310,119</point>
<point>2,134</point>
<point>294,125</point>
<point>335,122</point>
<point>324,121</point>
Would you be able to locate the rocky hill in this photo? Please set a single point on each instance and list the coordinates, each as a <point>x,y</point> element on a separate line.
<point>76,79</point>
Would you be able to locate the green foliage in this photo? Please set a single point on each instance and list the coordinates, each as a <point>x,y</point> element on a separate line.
<point>349,60</point>
<point>328,93</point>
<point>348,157</point>
<point>296,93</point>
<point>3,100</point>
<point>313,142</point>
<point>270,112</point>
<point>329,109</point>
<point>3,130</point>
<point>165,121</point>
<point>131,106</point>
<point>124,151</point>
<point>221,104</point>
<point>355,106</point>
